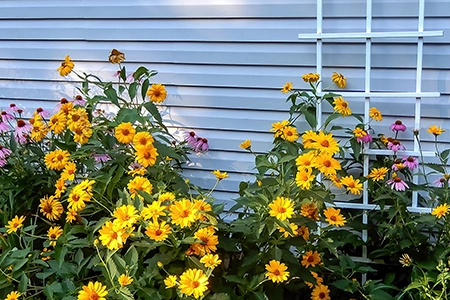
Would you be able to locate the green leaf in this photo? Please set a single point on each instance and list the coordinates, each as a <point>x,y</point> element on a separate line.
<point>235,279</point>
<point>436,167</point>
<point>139,72</point>
<point>123,74</point>
<point>60,254</point>
<point>310,116</point>
<point>153,110</point>
<point>144,88</point>
<point>23,283</point>
<point>111,93</point>
<point>132,90</point>
<point>132,256</point>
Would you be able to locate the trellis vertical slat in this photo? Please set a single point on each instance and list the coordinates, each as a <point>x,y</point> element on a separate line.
<point>319,59</point>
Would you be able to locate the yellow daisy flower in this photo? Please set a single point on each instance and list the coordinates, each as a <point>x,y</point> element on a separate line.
<point>170,281</point>
<point>15,224</point>
<point>320,292</point>
<point>124,133</point>
<point>94,290</point>
<point>112,236</point>
<point>375,114</point>
<point>66,66</point>
<point>333,216</point>
<point>193,282</point>
<point>311,77</point>
<point>157,93</point>
<point>287,87</point>
<point>183,213</point>
<point>310,258</point>
<point>339,80</point>
<point>51,208</point>
<point>139,183</point>
<point>211,260</point>
<point>124,280</point>
<point>441,210</point>
<point>436,130</point>
<point>378,174</point>
<point>282,208</point>
<point>13,296</point>
<point>146,155</point>
<point>126,215</point>
<point>276,271</point>
<point>220,175</point>
<point>341,106</point>
<point>142,139</point>
<point>158,231</point>
<point>247,144</point>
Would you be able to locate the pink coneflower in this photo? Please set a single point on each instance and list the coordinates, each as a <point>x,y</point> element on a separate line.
<point>79,100</point>
<point>398,126</point>
<point>201,144</point>
<point>439,182</point>
<point>3,127</point>
<point>397,184</point>
<point>12,108</point>
<point>6,116</point>
<point>23,128</point>
<point>410,162</point>
<point>3,162</point>
<point>101,157</point>
<point>135,165</point>
<point>190,137</point>
<point>4,152</point>
<point>395,146</point>
<point>365,139</point>
<point>45,114</point>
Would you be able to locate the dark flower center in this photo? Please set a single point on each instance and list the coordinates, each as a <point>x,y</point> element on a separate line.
<point>398,122</point>
<point>63,101</point>
<point>21,123</point>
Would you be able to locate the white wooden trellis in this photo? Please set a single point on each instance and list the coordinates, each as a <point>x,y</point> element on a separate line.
<point>319,37</point>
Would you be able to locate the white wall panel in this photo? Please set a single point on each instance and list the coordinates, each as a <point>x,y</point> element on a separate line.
<point>223,62</point>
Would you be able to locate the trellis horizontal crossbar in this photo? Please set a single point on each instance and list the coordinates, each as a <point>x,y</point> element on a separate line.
<point>399,153</point>
<point>368,35</point>
<point>367,206</point>
<point>388,95</point>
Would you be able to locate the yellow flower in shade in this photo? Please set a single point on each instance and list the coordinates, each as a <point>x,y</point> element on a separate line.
<point>359,133</point>
<point>139,183</point>
<point>116,57</point>
<point>124,280</point>
<point>51,208</point>
<point>183,213</point>
<point>13,296</point>
<point>209,241</point>
<point>137,172</point>
<point>333,216</point>
<point>276,271</point>
<point>281,208</point>
<point>287,87</point>
<point>75,117</point>
<point>441,210</point>
<point>405,260</point>
<point>341,106</point>
<point>57,122</point>
<point>66,66</point>
<point>336,181</point>
<point>320,292</point>
<point>71,215</point>
<point>196,249</point>
<point>247,144</point>
<point>327,165</point>
<point>326,144</point>
<point>166,197</point>
<point>304,178</point>
<point>53,234</point>
<point>126,215</point>
<point>354,186</point>
<point>158,231</point>
<point>378,174</point>
<point>339,80</point>
<point>57,159</point>
<point>94,290</point>
<point>45,254</point>
<point>160,264</point>
<point>319,280</point>
<point>146,155</point>
<point>142,139</point>
<point>303,231</point>
<point>211,260</point>
<point>60,186</point>
<point>436,130</point>
<point>289,134</point>
<point>15,224</point>
<point>286,234</point>
<point>112,236</point>
<point>66,107</point>
<point>310,258</point>
<point>38,131</point>
<point>153,211</point>
<point>202,207</point>
<point>157,93</point>
<point>375,114</point>
<point>311,77</point>
<point>306,160</point>
<point>69,171</point>
<point>170,281</point>
<point>220,175</point>
<point>124,133</point>
<point>82,132</point>
<point>308,138</point>
<point>278,127</point>
<point>193,282</point>
<point>310,211</point>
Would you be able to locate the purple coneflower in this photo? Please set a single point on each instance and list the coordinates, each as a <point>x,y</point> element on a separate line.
<point>4,152</point>
<point>201,144</point>
<point>3,126</point>
<point>398,126</point>
<point>7,116</point>
<point>365,139</point>
<point>45,114</point>
<point>13,108</point>
<point>23,128</point>
<point>190,137</point>
<point>101,157</point>
<point>395,146</point>
<point>79,101</point>
<point>397,184</point>
<point>3,162</point>
<point>410,162</point>
<point>439,182</point>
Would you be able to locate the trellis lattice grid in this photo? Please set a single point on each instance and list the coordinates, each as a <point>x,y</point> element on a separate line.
<point>367,38</point>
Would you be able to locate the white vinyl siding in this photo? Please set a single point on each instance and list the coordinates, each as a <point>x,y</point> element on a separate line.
<point>224,62</point>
